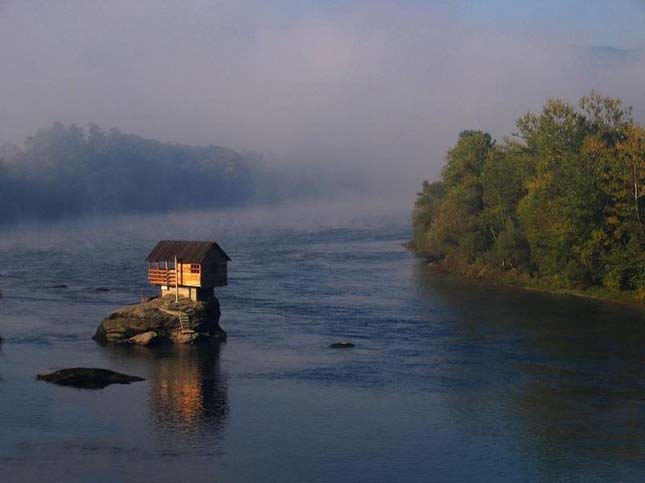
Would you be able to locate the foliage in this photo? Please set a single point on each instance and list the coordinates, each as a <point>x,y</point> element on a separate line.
<point>562,202</point>
<point>67,170</point>
<point>425,210</point>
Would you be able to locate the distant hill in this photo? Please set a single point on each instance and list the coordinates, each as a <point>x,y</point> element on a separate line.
<point>66,170</point>
<point>602,54</point>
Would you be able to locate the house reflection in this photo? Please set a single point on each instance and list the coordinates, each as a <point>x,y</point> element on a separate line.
<point>188,391</point>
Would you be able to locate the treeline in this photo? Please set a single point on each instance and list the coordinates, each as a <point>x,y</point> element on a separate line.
<point>68,170</point>
<point>559,205</point>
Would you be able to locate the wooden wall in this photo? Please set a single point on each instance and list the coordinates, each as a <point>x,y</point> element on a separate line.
<point>213,273</point>
<point>187,278</point>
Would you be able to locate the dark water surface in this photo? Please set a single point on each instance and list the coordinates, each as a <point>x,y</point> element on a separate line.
<point>449,380</point>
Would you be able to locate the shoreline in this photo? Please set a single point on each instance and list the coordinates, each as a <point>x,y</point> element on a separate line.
<point>523,281</point>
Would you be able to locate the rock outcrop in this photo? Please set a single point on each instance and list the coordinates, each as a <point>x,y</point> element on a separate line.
<point>157,320</point>
<point>87,378</point>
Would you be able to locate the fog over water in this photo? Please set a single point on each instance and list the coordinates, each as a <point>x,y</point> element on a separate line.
<point>381,87</point>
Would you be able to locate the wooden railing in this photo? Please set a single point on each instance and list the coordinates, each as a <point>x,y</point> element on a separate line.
<point>161,276</point>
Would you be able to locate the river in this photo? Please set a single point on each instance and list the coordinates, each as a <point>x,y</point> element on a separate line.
<point>450,380</point>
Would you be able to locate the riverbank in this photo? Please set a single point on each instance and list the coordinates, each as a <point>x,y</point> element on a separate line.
<point>517,279</point>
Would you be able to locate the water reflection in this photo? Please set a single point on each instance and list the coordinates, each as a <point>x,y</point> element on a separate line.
<point>551,373</point>
<point>188,392</point>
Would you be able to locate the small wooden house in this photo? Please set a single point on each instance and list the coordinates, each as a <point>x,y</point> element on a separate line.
<point>190,269</point>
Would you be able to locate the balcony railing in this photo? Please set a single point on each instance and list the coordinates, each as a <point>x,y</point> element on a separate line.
<point>161,276</point>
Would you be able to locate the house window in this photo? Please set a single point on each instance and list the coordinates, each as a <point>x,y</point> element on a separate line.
<point>194,268</point>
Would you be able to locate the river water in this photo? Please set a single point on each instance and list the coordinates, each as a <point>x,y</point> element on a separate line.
<point>449,381</point>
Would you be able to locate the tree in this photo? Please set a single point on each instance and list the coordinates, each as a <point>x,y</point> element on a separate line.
<point>425,211</point>
<point>504,183</point>
<point>64,170</point>
<point>562,201</point>
<point>632,158</point>
<point>456,228</point>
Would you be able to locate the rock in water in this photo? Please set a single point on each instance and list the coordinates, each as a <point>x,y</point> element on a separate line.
<point>144,339</point>
<point>341,345</point>
<point>87,378</point>
<point>161,316</point>
<point>186,337</point>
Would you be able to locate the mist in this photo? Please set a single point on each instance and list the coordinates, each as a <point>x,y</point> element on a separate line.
<point>378,88</point>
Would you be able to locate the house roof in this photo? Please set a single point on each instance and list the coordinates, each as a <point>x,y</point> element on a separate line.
<point>185,251</point>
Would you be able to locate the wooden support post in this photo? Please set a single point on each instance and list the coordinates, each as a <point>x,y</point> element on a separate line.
<point>176,280</point>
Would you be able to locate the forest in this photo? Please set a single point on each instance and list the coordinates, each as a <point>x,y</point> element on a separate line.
<point>67,170</point>
<point>556,206</point>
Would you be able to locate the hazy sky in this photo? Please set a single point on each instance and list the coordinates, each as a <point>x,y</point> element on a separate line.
<point>384,86</point>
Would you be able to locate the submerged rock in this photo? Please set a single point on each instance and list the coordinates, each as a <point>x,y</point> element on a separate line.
<point>341,345</point>
<point>136,324</point>
<point>87,378</point>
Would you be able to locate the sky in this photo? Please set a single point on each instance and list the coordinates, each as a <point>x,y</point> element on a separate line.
<point>381,87</point>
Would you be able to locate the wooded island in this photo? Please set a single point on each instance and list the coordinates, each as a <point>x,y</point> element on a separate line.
<point>558,206</point>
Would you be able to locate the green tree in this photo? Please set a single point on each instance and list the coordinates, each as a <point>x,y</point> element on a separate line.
<point>425,210</point>
<point>456,230</point>
<point>504,182</point>
<point>563,201</point>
